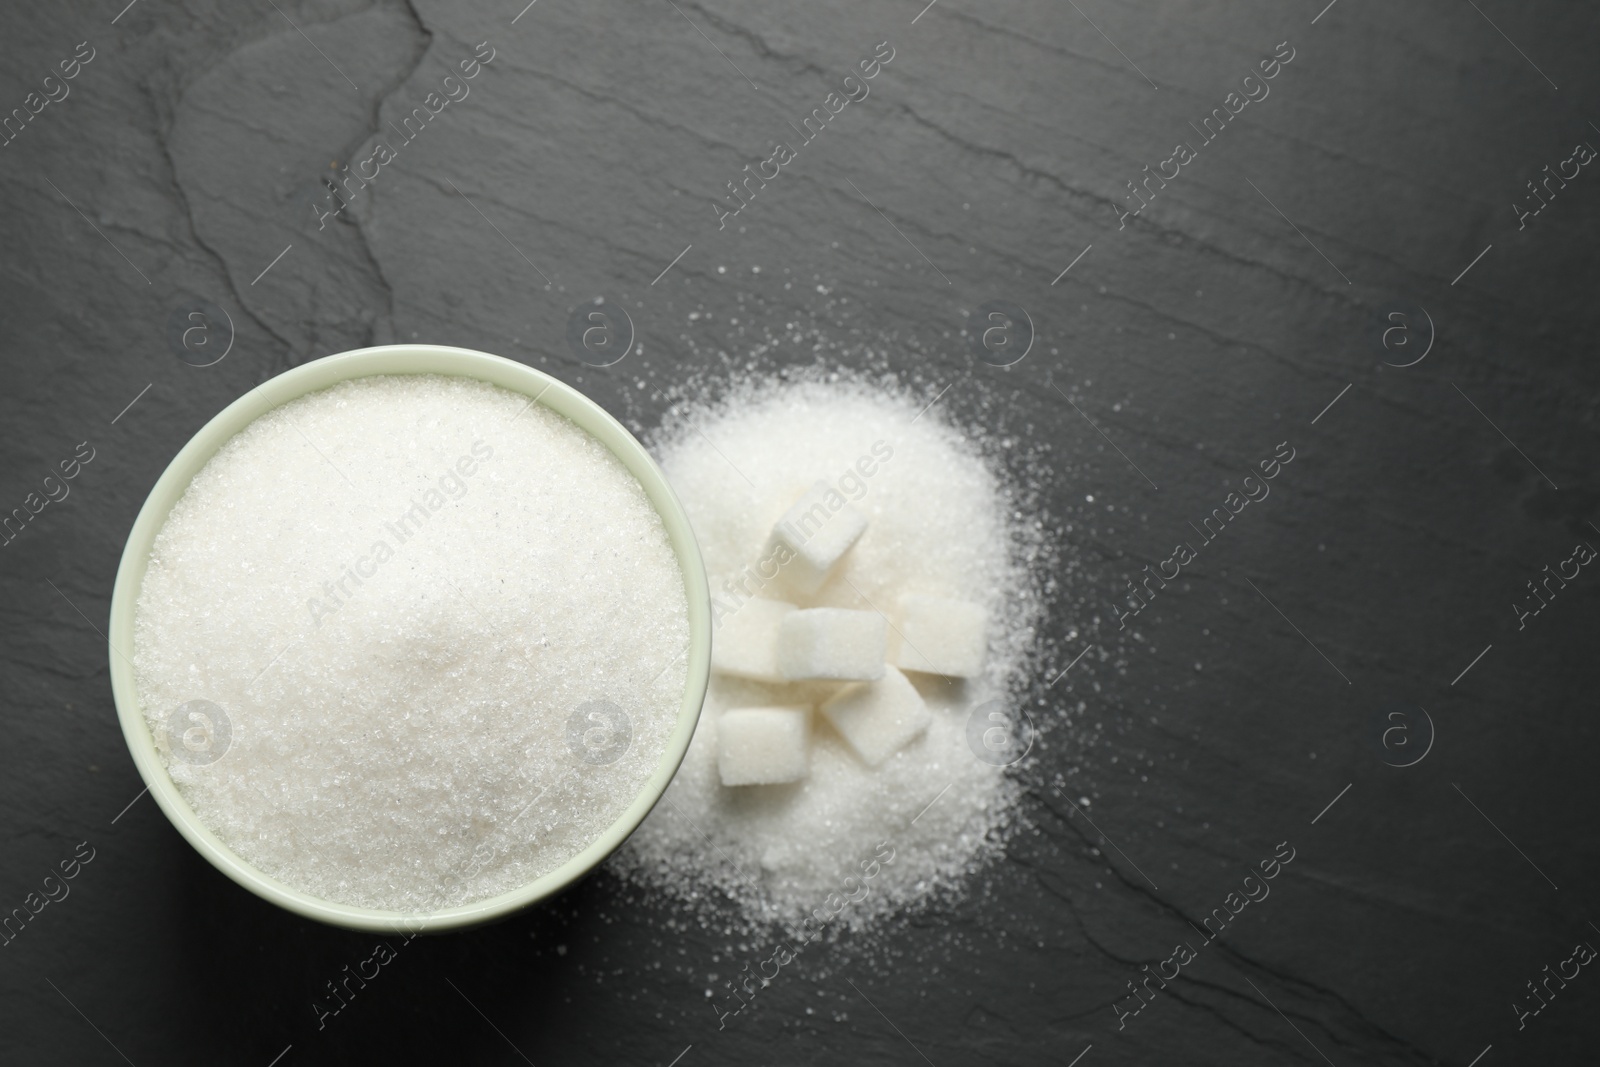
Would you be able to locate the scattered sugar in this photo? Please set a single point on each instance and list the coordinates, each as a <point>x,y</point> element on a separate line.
<point>445,628</point>
<point>939,522</point>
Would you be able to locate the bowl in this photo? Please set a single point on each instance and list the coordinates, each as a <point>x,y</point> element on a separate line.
<point>309,378</point>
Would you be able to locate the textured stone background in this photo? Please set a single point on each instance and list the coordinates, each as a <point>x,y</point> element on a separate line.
<point>993,149</point>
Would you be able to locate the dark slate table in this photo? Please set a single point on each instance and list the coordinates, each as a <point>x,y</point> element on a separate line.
<point>1354,263</point>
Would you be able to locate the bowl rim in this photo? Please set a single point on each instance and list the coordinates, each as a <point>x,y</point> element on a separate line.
<point>315,376</point>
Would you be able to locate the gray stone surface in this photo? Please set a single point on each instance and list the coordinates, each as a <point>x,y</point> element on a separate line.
<point>183,165</point>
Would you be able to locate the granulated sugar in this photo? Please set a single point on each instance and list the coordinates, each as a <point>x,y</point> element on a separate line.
<point>408,596</point>
<point>939,524</point>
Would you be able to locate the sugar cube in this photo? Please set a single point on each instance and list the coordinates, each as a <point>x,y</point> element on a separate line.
<point>818,529</point>
<point>746,642</point>
<point>939,635</point>
<point>834,643</point>
<point>763,746</point>
<point>878,718</point>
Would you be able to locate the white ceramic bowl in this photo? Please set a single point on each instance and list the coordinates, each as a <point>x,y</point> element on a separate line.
<point>309,378</point>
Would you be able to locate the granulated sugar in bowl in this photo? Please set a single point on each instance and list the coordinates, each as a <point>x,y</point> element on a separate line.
<point>409,637</point>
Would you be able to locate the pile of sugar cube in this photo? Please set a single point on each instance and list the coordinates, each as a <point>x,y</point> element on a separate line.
<point>874,708</point>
